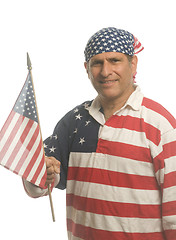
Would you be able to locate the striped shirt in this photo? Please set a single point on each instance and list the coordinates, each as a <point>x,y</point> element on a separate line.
<point>119,174</point>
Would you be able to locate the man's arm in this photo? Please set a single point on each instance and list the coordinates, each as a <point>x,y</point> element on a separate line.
<point>165,168</point>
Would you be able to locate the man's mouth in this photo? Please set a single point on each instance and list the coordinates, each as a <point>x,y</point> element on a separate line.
<point>108,81</point>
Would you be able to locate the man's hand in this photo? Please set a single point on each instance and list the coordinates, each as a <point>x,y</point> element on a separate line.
<point>52,167</point>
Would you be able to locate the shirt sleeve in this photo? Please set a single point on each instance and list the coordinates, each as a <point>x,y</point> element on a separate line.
<point>165,170</point>
<point>35,191</point>
<point>58,146</point>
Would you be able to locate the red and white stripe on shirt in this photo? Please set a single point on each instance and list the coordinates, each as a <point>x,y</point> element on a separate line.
<point>126,189</point>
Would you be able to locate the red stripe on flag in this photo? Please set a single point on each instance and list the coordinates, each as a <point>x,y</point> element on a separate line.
<point>32,161</point>
<point>124,150</point>
<point>36,175</point>
<point>6,125</point>
<point>26,152</point>
<point>113,208</point>
<point>11,136</point>
<point>112,178</point>
<point>19,143</point>
<point>84,232</point>
<point>42,163</point>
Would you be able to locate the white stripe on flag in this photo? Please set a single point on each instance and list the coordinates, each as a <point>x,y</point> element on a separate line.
<point>24,146</point>
<point>9,130</point>
<point>40,176</point>
<point>14,141</point>
<point>30,155</point>
<point>35,166</point>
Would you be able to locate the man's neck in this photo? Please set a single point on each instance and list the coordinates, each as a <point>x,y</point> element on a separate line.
<point>110,106</point>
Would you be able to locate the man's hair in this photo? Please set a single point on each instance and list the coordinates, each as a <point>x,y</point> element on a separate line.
<point>129,58</point>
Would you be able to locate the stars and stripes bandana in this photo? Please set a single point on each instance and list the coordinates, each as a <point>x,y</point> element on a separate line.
<point>112,40</point>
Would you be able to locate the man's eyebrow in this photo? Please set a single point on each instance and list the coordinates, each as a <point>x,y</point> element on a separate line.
<point>114,58</point>
<point>95,61</point>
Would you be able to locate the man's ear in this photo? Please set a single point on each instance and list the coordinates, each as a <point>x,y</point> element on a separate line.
<point>86,66</point>
<point>134,63</point>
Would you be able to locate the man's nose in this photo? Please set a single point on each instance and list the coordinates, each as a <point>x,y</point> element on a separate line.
<point>106,69</point>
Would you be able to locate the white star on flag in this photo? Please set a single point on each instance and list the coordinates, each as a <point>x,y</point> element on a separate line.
<point>75,131</point>
<point>78,116</point>
<point>76,110</point>
<point>45,146</point>
<point>55,137</point>
<point>87,123</point>
<point>52,149</point>
<point>82,140</point>
<point>86,105</point>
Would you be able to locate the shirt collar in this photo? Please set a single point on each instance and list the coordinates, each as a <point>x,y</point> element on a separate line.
<point>134,101</point>
<point>96,112</point>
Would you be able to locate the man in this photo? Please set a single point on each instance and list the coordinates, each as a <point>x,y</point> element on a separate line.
<point>117,152</point>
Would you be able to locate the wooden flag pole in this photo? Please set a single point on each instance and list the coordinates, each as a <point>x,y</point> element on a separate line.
<point>49,187</point>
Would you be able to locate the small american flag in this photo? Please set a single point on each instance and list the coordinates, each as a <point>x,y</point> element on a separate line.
<point>21,146</point>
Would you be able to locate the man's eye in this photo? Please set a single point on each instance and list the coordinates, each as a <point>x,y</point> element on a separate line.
<point>114,60</point>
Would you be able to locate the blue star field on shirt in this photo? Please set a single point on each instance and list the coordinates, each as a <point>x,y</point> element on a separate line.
<point>79,131</point>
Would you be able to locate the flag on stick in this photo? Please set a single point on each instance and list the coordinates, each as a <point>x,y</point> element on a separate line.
<point>21,146</point>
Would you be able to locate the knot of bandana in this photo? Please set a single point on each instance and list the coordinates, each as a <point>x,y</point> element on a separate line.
<point>112,40</point>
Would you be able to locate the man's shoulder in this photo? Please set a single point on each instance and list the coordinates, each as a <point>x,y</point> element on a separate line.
<point>157,109</point>
<point>76,111</point>
<point>83,106</point>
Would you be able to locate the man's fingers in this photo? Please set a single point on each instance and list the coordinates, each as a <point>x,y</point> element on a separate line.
<point>52,162</point>
<point>49,161</point>
<point>52,167</point>
<point>50,177</point>
<point>48,181</point>
<point>50,170</point>
<point>57,167</point>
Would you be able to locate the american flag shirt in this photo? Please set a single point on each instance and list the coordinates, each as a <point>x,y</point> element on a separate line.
<point>119,174</point>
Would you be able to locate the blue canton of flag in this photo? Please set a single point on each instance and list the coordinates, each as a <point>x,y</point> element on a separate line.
<point>25,104</point>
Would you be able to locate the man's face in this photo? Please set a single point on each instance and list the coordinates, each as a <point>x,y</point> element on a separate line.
<point>111,74</point>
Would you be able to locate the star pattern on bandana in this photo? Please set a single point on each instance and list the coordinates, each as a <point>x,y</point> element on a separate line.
<point>110,40</point>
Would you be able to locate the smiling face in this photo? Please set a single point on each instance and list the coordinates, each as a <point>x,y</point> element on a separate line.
<point>111,74</point>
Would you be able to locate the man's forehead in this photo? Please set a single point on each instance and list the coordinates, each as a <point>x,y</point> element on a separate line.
<point>107,55</point>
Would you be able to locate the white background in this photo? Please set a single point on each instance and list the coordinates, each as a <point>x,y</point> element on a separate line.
<point>55,33</point>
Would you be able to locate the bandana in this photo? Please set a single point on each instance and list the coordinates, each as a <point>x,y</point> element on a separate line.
<point>112,40</point>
